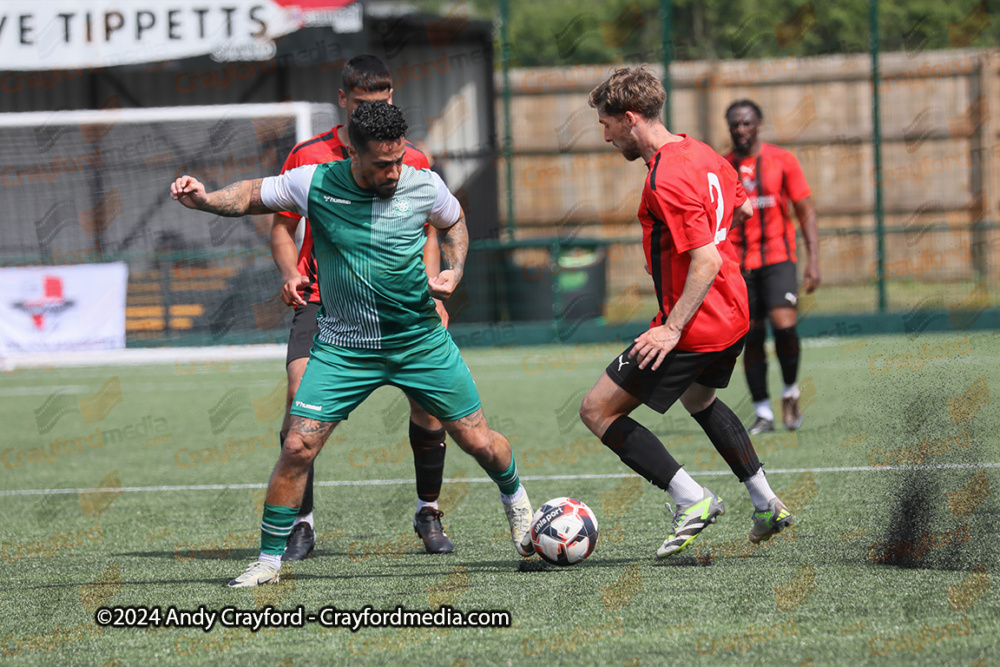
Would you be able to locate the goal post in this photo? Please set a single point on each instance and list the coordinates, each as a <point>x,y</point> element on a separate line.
<point>304,113</point>
<point>93,186</point>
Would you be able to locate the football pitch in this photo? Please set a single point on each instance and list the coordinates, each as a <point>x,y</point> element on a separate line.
<point>142,486</point>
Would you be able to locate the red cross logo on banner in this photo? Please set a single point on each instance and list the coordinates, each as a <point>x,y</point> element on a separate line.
<point>51,301</point>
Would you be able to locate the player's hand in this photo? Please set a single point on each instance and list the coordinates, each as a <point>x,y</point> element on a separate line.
<point>290,292</point>
<point>654,345</point>
<point>188,191</point>
<point>810,278</point>
<point>646,266</point>
<point>439,307</point>
<point>442,285</point>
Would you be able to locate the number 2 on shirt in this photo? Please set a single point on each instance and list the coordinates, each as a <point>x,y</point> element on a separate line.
<point>715,195</point>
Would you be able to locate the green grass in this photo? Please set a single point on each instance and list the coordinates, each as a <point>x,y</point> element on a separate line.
<point>812,596</point>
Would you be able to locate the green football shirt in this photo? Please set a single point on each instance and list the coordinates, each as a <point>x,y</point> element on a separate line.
<point>369,250</point>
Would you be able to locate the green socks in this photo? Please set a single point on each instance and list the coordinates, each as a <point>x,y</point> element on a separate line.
<point>507,480</point>
<point>276,526</point>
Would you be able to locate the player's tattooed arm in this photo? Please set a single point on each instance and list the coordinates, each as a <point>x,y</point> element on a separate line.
<point>231,201</point>
<point>237,199</point>
<point>454,246</point>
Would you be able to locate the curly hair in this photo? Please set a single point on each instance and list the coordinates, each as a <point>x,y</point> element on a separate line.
<point>375,121</point>
<point>633,89</point>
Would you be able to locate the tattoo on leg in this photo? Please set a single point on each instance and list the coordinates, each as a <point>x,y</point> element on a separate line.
<point>472,421</point>
<point>312,430</point>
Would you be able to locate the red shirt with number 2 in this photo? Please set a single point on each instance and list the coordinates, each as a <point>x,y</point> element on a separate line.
<point>688,202</point>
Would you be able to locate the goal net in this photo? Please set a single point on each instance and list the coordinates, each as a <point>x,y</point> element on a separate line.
<point>94,186</point>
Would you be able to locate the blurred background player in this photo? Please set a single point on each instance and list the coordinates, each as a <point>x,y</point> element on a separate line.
<point>690,200</point>
<point>765,244</point>
<point>365,78</point>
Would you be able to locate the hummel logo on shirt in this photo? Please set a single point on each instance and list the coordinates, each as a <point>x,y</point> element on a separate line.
<point>307,406</point>
<point>336,200</point>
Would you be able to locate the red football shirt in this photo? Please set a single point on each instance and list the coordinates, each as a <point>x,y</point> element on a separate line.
<point>322,148</point>
<point>688,202</point>
<point>771,179</point>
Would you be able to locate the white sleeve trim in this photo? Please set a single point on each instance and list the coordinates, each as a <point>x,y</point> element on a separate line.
<point>289,191</point>
<point>446,211</point>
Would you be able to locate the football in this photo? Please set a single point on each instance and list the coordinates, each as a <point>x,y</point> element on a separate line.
<point>564,531</point>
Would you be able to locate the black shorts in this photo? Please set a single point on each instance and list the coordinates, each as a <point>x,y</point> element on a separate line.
<point>304,329</point>
<point>680,369</point>
<point>772,286</point>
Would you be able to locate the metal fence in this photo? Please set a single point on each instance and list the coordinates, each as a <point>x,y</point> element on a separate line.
<point>899,148</point>
<point>900,151</point>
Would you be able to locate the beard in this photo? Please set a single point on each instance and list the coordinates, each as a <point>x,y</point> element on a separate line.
<point>629,148</point>
<point>386,190</point>
<point>743,144</point>
<point>631,152</point>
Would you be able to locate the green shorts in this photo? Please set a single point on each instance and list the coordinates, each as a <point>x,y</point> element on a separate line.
<point>430,371</point>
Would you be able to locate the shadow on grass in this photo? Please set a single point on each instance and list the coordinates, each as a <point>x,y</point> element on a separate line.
<point>404,564</point>
<point>185,556</point>
<point>685,561</point>
<point>148,582</point>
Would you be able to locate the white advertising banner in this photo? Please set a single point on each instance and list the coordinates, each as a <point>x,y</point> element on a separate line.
<point>62,308</point>
<point>76,34</point>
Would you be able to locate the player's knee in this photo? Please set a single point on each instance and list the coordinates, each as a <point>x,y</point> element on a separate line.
<point>295,451</point>
<point>474,443</point>
<point>590,411</point>
<point>783,322</point>
<point>783,318</point>
<point>498,441</point>
<point>696,401</point>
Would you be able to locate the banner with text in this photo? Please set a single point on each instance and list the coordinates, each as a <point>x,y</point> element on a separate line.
<point>91,34</point>
<point>62,308</point>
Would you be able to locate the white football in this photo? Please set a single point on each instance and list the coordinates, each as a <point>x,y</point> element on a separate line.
<point>564,531</point>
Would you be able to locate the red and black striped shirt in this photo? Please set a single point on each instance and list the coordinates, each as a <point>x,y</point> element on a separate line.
<point>771,179</point>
